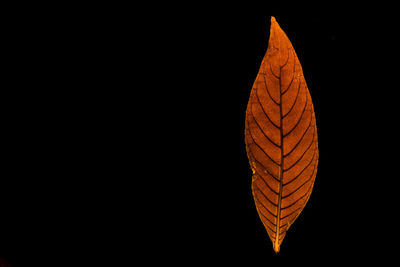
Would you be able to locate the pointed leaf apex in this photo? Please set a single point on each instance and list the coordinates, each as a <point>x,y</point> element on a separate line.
<point>276,248</point>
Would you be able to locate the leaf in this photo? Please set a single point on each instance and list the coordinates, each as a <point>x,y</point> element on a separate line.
<point>281,137</point>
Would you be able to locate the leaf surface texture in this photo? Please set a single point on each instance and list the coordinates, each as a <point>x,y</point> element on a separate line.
<point>281,137</point>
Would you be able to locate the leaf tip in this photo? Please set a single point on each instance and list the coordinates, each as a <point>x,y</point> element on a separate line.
<point>276,248</point>
<point>273,20</point>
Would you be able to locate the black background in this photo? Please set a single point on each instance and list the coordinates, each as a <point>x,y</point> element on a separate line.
<point>137,141</point>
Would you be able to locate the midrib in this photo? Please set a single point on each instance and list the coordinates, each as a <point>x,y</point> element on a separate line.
<point>280,168</point>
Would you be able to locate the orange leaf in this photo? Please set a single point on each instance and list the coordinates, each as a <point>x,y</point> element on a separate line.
<point>281,137</point>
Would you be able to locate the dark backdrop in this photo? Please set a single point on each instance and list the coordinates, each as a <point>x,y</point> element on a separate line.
<point>76,176</point>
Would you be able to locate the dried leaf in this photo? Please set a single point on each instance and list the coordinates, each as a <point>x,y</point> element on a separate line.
<point>281,137</point>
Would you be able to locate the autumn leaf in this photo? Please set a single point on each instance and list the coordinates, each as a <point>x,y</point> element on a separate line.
<point>281,137</point>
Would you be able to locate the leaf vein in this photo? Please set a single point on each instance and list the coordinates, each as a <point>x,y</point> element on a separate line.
<point>297,176</point>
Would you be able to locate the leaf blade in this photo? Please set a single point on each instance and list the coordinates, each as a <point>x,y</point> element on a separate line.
<point>281,137</point>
